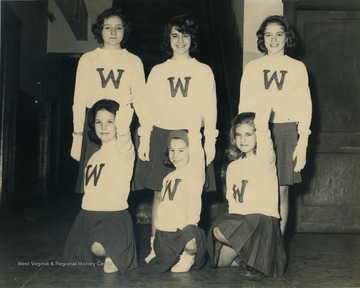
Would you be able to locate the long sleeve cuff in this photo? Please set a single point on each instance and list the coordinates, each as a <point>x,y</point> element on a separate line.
<point>303,138</point>
<point>211,135</point>
<point>78,119</point>
<point>145,130</point>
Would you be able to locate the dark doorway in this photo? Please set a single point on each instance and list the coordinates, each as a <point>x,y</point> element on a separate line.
<point>10,65</point>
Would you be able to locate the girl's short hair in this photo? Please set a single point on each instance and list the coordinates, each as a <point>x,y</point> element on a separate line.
<point>103,104</point>
<point>233,152</point>
<point>291,39</point>
<point>97,27</point>
<point>184,24</point>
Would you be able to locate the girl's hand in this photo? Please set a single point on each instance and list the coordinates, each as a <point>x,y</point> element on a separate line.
<point>300,156</point>
<point>144,151</point>
<point>210,151</point>
<point>76,146</point>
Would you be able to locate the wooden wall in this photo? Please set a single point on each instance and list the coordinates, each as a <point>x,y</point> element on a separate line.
<point>329,198</point>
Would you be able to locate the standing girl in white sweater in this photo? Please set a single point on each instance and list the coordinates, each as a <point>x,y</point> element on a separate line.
<point>281,82</point>
<point>180,93</point>
<point>108,72</point>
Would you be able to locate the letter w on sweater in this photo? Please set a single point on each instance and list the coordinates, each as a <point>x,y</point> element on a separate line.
<point>171,191</point>
<point>111,76</point>
<point>179,84</point>
<point>240,193</point>
<point>94,173</point>
<point>274,76</point>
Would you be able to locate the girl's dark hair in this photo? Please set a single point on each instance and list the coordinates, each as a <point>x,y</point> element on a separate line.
<point>291,39</point>
<point>97,27</point>
<point>103,104</point>
<point>184,24</point>
<point>233,152</point>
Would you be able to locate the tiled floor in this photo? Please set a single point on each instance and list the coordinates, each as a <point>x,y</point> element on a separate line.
<point>32,242</point>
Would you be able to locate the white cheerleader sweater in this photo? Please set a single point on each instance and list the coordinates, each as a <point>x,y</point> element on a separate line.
<point>282,82</point>
<point>107,74</point>
<point>181,192</point>
<point>107,176</point>
<point>180,92</point>
<point>251,183</point>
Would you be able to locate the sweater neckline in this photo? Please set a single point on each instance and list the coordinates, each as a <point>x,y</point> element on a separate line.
<point>181,60</point>
<point>111,50</point>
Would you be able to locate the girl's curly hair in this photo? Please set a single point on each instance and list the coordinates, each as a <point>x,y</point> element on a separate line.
<point>291,39</point>
<point>184,24</point>
<point>97,27</point>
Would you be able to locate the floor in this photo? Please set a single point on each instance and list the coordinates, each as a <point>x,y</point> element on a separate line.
<point>31,243</point>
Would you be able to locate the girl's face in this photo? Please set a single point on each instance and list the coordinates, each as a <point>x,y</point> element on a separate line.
<point>105,127</point>
<point>180,43</point>
<point>275,39</point>
<point>245,139</point>
<point>112,32</point>
<point>178,153</point>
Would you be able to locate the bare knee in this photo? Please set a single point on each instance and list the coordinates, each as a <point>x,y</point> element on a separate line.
<point>98,249</point>
<point>219,236</point>
<point>227,256</point>
<point>191,246</point>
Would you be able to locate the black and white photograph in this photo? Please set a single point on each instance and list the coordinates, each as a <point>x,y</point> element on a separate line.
<point>180,143</point>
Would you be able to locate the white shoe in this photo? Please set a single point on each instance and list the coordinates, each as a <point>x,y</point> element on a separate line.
<point>109,266</point>
<point>150,256</point>
<point>152,252</point>
<point>184,264</point>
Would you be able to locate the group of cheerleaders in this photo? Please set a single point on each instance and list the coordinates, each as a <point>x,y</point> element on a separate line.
<point>175,148</point>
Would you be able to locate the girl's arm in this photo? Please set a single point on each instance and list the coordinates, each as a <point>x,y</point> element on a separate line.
<point>196,154</point>
<point>138,91</point>
<point>80,95</point>
<point>210,119</point>
<point>196,174</point>
<point>264,144</point>
<point>247,99</point>
<point>229,183</point>
<point>138,88</point>
<point>305,106</point>
<point>146,123</point>
<point>123,119</point>
<point>79,107</point>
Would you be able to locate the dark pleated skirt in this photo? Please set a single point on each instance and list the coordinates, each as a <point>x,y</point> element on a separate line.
<point>113,230</point>
<point>88,148</point>
<point>150,174</point>
<point>210,180</point>
<point>255,237</point>
<point>169,245</point>
<point>285,139</point>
